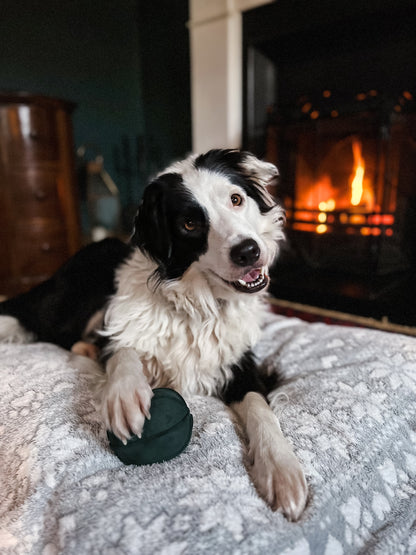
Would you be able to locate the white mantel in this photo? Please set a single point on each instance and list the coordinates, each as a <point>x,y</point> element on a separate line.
<point>215,28</point>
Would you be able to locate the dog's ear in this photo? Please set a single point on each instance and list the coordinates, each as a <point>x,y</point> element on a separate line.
<point>261,177</point>
<point>151,225</point>
<point>262,173</point>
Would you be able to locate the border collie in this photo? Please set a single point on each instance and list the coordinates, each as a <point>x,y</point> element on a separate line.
<point>180,306</point>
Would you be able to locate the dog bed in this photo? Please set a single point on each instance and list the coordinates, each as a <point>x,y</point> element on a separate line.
<point>348,406</point>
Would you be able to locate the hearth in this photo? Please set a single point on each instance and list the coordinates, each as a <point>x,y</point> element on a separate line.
<point>330,98</point>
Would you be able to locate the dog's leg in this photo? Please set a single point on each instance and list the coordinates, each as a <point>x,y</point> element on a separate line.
<point>86,349</point>
<point>127,395</point>
<point>276,472</point>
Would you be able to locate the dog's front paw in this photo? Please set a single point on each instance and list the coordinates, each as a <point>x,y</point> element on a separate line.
<point>279,479</point>
<point>125,405</point>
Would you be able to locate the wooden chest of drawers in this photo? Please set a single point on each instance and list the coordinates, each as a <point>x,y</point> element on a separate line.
<point>39,206</point>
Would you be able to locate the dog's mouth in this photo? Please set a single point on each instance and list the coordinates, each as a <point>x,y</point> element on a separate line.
<point>253,281</point>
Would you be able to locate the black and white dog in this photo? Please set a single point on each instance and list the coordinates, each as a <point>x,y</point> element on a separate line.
<point>183,306</point>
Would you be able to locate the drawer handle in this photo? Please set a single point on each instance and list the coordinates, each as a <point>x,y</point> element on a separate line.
<point>45,247</point>
<point>40,195</point>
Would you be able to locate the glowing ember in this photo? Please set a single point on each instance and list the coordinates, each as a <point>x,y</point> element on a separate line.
<point>330,205</point>
<point>327,206</point>
<point>359,168</point>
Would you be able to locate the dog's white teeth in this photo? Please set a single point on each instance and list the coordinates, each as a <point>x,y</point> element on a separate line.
<point>257,282</point>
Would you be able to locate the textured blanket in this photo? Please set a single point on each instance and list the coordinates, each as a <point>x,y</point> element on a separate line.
<point>348,405</point>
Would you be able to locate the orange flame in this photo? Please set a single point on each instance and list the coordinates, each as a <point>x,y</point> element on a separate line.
<point>359,168</point>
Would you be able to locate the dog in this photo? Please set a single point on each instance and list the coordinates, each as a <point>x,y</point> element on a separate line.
<point>180,306</point>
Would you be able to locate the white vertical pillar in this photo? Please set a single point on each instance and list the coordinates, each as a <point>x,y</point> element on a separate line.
<point>215,34</point>
<point>216,71</point>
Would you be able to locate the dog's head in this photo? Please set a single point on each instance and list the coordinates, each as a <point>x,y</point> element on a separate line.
<point>212,211</point>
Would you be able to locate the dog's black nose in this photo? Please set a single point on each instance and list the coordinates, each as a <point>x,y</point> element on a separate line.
<point>245,253</point>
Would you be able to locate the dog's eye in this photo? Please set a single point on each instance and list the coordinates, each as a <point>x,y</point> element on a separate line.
<point>189,225</point>
<point>236,199</point>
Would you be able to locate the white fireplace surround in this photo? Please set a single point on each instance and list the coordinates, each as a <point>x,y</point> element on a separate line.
<point>215,28</point>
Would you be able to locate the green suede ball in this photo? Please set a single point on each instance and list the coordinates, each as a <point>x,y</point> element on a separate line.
<point>164,436</point>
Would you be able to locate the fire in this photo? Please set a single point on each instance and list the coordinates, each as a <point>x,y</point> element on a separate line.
<point>358,179</point>
<point>338,192</point>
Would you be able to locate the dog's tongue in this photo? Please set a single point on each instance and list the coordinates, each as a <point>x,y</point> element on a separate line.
<point>251,276</point>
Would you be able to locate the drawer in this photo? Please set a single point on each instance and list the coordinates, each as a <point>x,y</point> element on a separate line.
<point>35,194</point>
<point>28,134</point>
<point>40,247</point>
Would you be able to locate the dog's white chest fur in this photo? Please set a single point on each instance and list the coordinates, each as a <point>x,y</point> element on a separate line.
<point>185,337</point>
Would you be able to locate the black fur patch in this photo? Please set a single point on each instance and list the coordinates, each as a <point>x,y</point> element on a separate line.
<point>230,163</point>
<point>58,310</point>
<point>247,377</point>
<point>171,227</point>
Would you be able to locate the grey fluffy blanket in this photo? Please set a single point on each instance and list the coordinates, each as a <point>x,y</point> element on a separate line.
<point>348,406</point>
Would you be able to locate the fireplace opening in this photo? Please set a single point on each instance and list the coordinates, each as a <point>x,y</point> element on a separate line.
<point>329,97</point>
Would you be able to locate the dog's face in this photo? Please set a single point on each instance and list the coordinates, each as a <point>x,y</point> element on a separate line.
<point>212,211</point>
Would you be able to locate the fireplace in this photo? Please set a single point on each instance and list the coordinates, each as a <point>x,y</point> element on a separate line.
<point>329,97</point>
<point>346,183</point>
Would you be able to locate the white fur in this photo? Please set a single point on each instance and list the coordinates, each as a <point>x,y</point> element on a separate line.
<point>187,333</point>
<point>11,331</point>
<point>229,225</point>
<point>126,390</point>
<point>276,472</point>
<point>186,337</point>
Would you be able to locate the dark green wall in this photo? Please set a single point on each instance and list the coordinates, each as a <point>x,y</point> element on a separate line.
<point>164,46</point>
<point>124,62</point>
